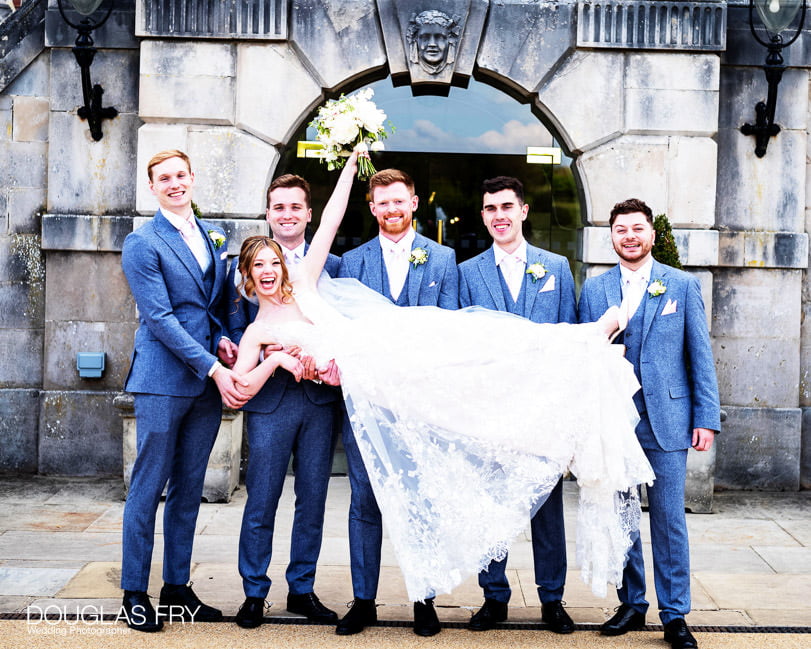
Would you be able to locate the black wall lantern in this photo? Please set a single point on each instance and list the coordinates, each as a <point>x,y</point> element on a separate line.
<point>84,52</point>
<point>776,16</point>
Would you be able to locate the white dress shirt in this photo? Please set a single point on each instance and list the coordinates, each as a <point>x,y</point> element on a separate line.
<point>192,236</point>
<point>395,256</point>
<point>634,284</point>
<point>294,256</point>
<point>513,266</point>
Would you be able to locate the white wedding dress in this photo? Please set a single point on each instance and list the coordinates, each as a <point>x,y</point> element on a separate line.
<point>467,419</point>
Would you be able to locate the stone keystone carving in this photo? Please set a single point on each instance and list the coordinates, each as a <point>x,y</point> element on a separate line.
<point>432,44</point>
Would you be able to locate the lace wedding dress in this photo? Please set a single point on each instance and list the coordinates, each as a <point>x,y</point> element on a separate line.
<point>467,419</point>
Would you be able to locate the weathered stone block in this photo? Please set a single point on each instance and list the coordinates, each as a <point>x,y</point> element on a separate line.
<point>523,41</point>
<point>22,259</point>
<point>79,434</point>
<point>34,80</point>
<point>267,67</point>
<point>700,482</point>
<point>763,249</point>
<point>660,71</point>
<point>757,372</point>
<point>233,171</point>
<point>222,471</point>
<point>88,287</point>
<point>805,451</point>
<point>153,138</point>
<point>81,232</point>
<point>338,40</point>
<point>30,119</point>
<point>663,111</point>
<point>759,449</point>
<point>742,88</point>
<point>696,247</point>
<point>188,81</point>
<point>6,122</point>
<point>64,339</point>
<point>568,99</point>
<point>25,207</point>
<point>692,162</point>
<point>25,347</point>
<point>88,177</point>
<point>18,426</point>
<point>116,71</point>
<point>24,164</point>
<point>757,304</point>
<point>21,306</point>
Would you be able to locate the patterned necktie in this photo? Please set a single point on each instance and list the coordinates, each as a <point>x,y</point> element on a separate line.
<point>191,235</point>
<point>512,267</point>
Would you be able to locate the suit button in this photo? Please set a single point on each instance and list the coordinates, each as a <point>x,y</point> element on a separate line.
<point>208,337</point>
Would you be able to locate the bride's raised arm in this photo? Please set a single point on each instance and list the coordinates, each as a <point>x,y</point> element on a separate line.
<point>331,218</point>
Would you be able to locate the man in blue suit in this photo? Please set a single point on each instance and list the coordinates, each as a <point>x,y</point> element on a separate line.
<point>516,277</point>
<point>410,270</point>
<point>285,418</point>
<point>667,341</point>
<point>176,269</point>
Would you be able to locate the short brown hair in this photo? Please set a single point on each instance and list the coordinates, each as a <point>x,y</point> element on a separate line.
<point>388,177</point>
<point>290,180</point>
<point>247,254</point>
<point>165,155</point>
<point>631,206</point>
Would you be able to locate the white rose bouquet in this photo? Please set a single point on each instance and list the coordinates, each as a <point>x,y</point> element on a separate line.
<point>350,122</point>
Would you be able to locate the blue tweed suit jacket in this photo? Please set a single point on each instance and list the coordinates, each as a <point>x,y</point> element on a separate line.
<point>546,300</point>
<point>434,283</point>
<point>676,366</point>
<point>239,314</point>
<point>180,321</point>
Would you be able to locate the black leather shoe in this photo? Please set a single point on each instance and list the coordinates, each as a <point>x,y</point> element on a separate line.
<point>251,614</point>
<point>678,635</point>
<point>624,620</point>
<point>308,604</point>
<point>426,623</point>
<point>180,603</point>
<point>556,617</point>
<point>362,614</point>
<point>491,613</point>
<point>139,614</point>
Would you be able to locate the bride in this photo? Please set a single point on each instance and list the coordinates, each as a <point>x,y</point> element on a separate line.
<point>465,419</point>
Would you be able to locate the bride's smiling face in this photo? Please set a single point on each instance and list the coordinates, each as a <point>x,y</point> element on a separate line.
<point>266,273</point>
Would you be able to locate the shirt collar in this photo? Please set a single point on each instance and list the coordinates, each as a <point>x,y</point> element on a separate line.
<point>293,253</point>
<point>177,221</point>
<point>520,252</point>
<point>403,245</point>
<point>644,272</point>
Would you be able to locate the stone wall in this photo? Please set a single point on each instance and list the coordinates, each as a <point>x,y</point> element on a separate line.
<point>655,119</point>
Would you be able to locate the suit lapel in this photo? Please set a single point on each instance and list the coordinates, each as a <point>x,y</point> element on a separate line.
<point>219,269</point>
<point>174,240</point>
<point>654,304</point>
<point>489,271</point>
<point>416,273</point>
<point>373,267</point>
<point>612,283</point>
<point>533,257</point>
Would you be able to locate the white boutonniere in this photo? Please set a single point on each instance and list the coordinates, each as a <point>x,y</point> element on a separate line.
<point>216,238</point>
<point>656,288</point>
<point>418,257</point>
<point>536,271</point>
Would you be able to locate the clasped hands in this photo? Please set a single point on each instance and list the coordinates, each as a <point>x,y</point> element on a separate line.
<point>303,367</point>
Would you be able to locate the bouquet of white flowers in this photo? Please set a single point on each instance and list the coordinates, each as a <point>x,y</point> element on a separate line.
<point>349,123</point>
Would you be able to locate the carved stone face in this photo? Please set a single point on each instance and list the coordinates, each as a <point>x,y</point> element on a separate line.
<point>432,43</point>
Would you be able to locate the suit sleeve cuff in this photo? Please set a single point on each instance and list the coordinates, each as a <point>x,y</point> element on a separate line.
<point>214,368</point>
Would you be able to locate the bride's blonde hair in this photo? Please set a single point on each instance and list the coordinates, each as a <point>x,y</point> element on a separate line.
<point>247,254</point>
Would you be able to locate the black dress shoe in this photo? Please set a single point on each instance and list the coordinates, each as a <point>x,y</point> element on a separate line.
<point>180,603</point>
<point>308,604</point>
<point>426,623</point>
<point>678,635</point>
<point>556,617</point>
<point>251,614</point>
<point>491,613</point>
<point>624,620</point>
<point>139,614</point>
<point>362,614</point>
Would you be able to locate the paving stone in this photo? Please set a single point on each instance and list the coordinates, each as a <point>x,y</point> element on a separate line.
<point>33,581</point>
<point>761,591</point>
<point>102,579</point>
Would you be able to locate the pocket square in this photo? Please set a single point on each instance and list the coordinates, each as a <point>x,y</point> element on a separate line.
<point>224,255</point>
<point>670,307</point>
<point>432,284</point>
<point>549,286</point>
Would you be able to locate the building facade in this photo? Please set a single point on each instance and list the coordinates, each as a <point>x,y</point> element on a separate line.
<point>647,97</point>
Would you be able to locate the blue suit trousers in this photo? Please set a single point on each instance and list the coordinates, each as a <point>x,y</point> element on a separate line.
<point>668,532</point>
<point>175,436</point>
<point>548,555</point>
<point>304,430</point>
<point>365,522</point>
